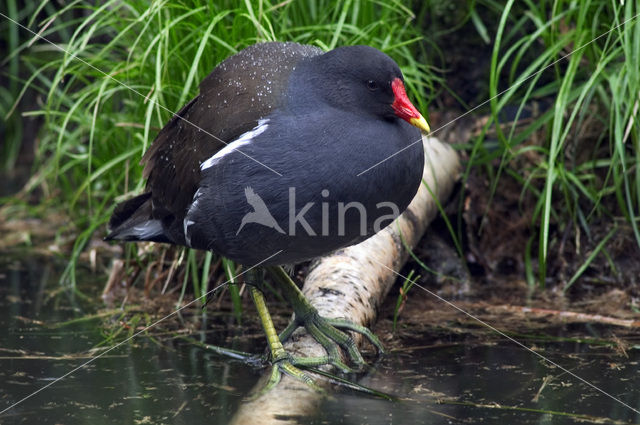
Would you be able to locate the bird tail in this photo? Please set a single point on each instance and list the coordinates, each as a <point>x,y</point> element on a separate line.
<point>132,221</point>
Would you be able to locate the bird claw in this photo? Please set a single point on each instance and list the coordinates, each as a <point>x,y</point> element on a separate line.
<point>327,332</point>
<point>288,366</point>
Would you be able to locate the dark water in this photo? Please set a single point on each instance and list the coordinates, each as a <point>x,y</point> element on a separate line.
<point>148,381</point>
<point>495,384</point>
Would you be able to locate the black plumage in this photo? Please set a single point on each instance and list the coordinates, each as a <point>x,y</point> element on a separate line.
<point>305,124</point>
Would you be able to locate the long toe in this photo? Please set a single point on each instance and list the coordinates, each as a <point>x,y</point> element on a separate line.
<point>327,332</point>
<point>286,366</point>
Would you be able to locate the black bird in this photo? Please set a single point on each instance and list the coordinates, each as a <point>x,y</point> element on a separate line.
<point>287,153</point>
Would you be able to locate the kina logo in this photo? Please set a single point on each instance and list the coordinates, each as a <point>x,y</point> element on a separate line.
<point>260,213</point>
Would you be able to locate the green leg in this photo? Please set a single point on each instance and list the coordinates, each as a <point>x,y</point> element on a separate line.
<point>325,331</point>
<point>280,359</point>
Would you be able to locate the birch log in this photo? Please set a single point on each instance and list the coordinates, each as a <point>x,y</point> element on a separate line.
<point>352,283</point>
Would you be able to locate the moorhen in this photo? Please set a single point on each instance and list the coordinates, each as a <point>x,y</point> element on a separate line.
<point>265,167</point>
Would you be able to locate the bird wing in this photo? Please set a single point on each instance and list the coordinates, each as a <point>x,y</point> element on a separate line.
<point>231,101</point>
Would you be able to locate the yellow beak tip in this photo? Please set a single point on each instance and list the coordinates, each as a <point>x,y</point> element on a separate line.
<point>421,123</point>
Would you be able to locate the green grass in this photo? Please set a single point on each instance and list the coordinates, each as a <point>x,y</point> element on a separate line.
<point>407,284</point>
<point>11,126</point>
<point>587,168</point>
<point>125,66</point>
<point>96,126</point>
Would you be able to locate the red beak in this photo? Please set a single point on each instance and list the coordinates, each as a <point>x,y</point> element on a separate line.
<point>404,108</point>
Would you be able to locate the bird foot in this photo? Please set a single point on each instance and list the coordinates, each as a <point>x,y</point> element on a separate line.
<point>330,334</point>
<point>287,366</point>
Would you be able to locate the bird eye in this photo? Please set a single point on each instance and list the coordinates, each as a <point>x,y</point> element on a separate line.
<point>372,85</point>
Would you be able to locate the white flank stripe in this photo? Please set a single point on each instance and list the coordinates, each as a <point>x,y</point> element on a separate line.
<point>244,139</point>
<point>187,237</point>
<point>187,219</point>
